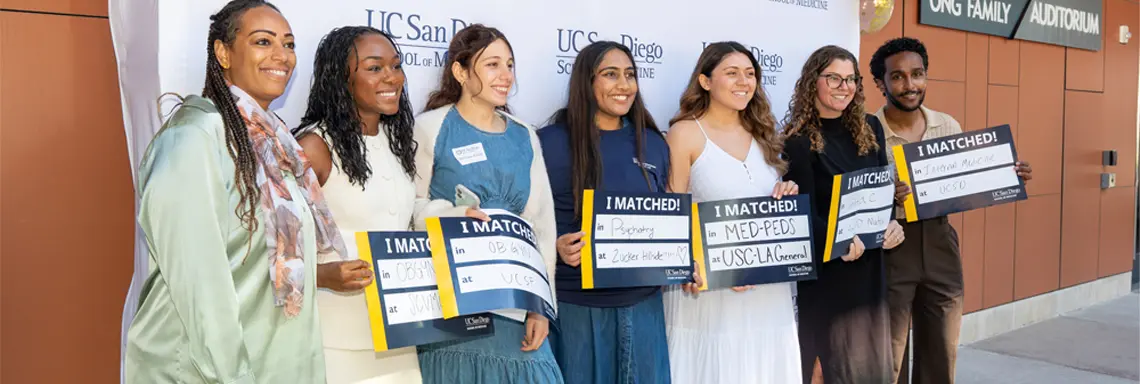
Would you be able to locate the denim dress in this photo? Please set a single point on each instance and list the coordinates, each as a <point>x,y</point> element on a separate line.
<point>499,175</point>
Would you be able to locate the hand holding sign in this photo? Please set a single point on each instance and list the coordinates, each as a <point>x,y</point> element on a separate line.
<point>785,188</point>
<point>696,285</point>
<point>902,189</point>
<point>477,214</point>
<point>570,248</point>
<point>894,235</point>
<point>855,251</point>
<point>1023,170</point>
<point>344,276</point>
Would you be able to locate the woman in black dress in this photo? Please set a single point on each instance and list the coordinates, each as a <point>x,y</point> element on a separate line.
<point>843,315</point>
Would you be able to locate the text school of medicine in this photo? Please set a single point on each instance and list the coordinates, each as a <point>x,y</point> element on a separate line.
<point>430,234</point>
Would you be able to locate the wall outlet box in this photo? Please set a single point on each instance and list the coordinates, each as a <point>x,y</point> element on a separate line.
<point>1125,34</point>
<point>1108,157</point>
<point>1107,180</point>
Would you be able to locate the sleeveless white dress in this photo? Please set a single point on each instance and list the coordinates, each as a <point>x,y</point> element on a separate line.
<point>385,204</point>
<point>723,336</point>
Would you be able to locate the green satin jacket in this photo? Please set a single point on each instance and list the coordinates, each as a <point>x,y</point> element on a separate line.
<point>206,312</point>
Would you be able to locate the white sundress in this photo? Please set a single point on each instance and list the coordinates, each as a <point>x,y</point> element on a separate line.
<point>723,336</point>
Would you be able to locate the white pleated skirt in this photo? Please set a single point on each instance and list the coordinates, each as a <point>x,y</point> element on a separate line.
<point>724,336</point>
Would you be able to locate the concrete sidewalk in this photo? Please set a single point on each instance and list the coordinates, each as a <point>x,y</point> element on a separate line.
<point>1099,344</point>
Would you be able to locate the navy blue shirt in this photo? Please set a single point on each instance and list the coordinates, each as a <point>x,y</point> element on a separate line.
<point>621,172</point>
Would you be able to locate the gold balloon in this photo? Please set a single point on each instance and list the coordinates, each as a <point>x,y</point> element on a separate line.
<point>874,14</point>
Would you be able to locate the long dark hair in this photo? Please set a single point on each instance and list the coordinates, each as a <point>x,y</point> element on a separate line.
<point>223,27</point>
<point>464,49</point>
<point>331,103</point>
<point>579,114</point>
<point>756,117</point>
<point>803,116</point>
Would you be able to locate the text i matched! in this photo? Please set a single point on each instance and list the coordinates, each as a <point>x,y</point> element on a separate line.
<point>636,239</point>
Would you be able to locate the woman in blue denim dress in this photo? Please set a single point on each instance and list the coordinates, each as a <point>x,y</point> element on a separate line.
<point>466,138</point>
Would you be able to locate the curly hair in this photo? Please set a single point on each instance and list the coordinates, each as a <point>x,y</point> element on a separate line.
<point>893,47</point>
<point>756,117</point>
<point>465,48</point>
<point>802,117</point>
<point>223,27</point>
<point>331,103</point>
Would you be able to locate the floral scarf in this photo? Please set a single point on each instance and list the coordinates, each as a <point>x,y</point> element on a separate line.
<point>277,152</point>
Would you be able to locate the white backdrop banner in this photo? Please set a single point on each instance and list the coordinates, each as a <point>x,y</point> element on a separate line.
<point>666,37</point>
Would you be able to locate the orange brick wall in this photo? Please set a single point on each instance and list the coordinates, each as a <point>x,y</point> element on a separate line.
<point>67,224</point>
<point>1065,106</point>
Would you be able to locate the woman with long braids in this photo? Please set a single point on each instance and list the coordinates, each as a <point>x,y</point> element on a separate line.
<point>843,315</point>
<point>357,132</point>
<point>467,139</point>
<point>604,335</point>
<point>234,220</point>
<point>725,146</point>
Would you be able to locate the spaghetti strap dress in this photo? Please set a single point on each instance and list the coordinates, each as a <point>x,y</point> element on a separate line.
<point>723,336</point>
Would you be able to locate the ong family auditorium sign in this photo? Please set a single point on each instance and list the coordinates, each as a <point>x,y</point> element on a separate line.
<point>1071,23</point>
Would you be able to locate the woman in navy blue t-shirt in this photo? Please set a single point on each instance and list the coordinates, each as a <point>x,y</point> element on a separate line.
<point>604,139</point>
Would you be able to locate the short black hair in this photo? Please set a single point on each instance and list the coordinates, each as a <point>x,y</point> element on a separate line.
<point>896,46</point>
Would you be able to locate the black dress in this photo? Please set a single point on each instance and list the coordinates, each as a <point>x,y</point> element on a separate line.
<point>844,319</point>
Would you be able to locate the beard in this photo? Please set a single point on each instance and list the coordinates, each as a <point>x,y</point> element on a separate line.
<point>898,104</point>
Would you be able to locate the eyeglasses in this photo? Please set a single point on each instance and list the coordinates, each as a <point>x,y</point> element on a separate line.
<point>834,81</point>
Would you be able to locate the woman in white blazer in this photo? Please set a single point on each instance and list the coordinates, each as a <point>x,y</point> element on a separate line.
<point>357,132</point>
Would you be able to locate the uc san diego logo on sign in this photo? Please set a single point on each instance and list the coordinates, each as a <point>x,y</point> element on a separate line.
<point>648,55</point>
<point>423,40</point>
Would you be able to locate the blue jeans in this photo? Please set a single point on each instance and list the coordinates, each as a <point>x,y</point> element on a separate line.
<point>622,345</point>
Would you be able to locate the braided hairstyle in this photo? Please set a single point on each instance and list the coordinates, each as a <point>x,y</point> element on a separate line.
<point>802,117</point>
<point>223,27</point>
<point>331,103</point>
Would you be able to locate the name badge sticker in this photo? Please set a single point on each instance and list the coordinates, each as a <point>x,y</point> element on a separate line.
<point>470,154</point>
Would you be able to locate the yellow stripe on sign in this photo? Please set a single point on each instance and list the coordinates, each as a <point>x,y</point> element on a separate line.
<point>587,252</point>
<point>833,217</point>
<point>376,312</point>
<point>699,247</point>
<point>904,176</point>
<point>442,269</point>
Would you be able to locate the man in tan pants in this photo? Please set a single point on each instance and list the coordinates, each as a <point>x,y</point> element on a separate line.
<point>924,274</point>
